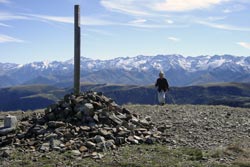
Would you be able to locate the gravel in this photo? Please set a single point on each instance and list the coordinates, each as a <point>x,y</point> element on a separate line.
<point>199,126</point>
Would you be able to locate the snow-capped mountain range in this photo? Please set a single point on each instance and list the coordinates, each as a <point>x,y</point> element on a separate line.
<point>140,70</point>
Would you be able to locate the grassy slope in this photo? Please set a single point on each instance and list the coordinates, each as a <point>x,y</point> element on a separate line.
<point>39,96</point>
<point>29,97</point>
<point>136,156</point>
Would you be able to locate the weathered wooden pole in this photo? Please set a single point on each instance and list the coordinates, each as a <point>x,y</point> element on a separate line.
<point>77,51</point>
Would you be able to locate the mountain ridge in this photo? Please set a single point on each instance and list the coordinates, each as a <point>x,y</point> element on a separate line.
<point>141,70</point>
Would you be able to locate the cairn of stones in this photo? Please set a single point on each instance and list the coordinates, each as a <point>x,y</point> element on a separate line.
<point>84,124</point>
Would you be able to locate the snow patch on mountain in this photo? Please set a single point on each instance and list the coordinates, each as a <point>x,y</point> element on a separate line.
<point>159,62</point>
<point>181,70</point>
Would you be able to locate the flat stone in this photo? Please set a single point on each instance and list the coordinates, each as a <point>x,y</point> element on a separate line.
<point>38,130</point>
<point>104,132</point>
<point>10,121</point>
<point>132,140</point>
<point>76,152</point>
<point>5,131</point>
<point>45,147</point>
<point>90,144</point>
<point>144,122</point>
<point>109,144</point>
<point>138,138</point>
<point>99,139</point>
<point>77,129</point>
<point>96,118</point>
<point>123,133</point>
<point>98,156</point>
<point>106,99</point>
<point>97,105</point>
<point>131,126</point>
<point>88,109</point>
<point>115,119</point>
<point>55,124</point>
<point>121,116</point>
<point>85,128</point>
<point>120,140</point>
<point>83,149</point>
<point>55,143</point>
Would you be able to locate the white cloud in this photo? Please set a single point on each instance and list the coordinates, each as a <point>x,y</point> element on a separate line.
<point>151,7</point>
<point>10,16</point>
<point>4,1</point>
<point>227,11</point>
<point>138,21</point>
<point>58,19</point>
<point>125,6</point>
<point>169,21</point>
<point>223,26</point>
<point>70,20</point>
<point>211,18</point>
<point>4,25</point>
<point>91,21</point>
<point>100,21</point>
<point>174,39</point>
<point>185,5</point>
<point>235,8</point>
<point>53,18</point>
<point>6,38</point>
<point>154,25</point>
<point>244,44</point>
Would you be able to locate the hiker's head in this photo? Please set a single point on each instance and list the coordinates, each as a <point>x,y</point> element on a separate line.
<point>161,74</point>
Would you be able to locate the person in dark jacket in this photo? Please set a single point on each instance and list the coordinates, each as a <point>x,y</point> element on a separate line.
<point>162,87</point>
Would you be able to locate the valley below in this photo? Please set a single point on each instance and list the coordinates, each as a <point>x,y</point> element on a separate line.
<point>38,96</point>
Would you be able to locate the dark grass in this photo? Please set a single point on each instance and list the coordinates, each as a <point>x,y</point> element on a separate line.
<point>132,156</point>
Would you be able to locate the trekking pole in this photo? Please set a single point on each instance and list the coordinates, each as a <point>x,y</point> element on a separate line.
<point>156,97</point>
<point>171,97</point>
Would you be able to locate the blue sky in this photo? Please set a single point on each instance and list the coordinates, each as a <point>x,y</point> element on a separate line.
<point>40,30</point>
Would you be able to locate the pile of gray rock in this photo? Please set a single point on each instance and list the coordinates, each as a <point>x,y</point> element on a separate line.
<point>84,124</point>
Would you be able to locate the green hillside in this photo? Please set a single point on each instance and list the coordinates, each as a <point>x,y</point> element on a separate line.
<point>40,96</point>
<point>29,97</point>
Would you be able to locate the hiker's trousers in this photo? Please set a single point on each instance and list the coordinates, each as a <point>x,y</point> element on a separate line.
<point>161,97</point>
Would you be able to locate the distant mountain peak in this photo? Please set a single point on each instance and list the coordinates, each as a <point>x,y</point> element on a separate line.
<point>140,69</point>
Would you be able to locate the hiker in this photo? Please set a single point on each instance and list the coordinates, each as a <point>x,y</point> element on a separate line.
<point>162,87</point>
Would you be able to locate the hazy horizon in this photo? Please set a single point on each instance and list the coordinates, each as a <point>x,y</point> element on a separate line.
<point>107,59</point>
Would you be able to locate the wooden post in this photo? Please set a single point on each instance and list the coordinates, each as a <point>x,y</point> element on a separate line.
<point>77,51</point>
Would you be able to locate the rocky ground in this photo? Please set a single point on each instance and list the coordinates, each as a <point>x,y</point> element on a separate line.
<point>193,135</point>
<point>204,127</point>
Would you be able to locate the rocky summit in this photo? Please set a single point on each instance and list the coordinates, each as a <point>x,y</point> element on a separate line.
<point>84,124</point>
